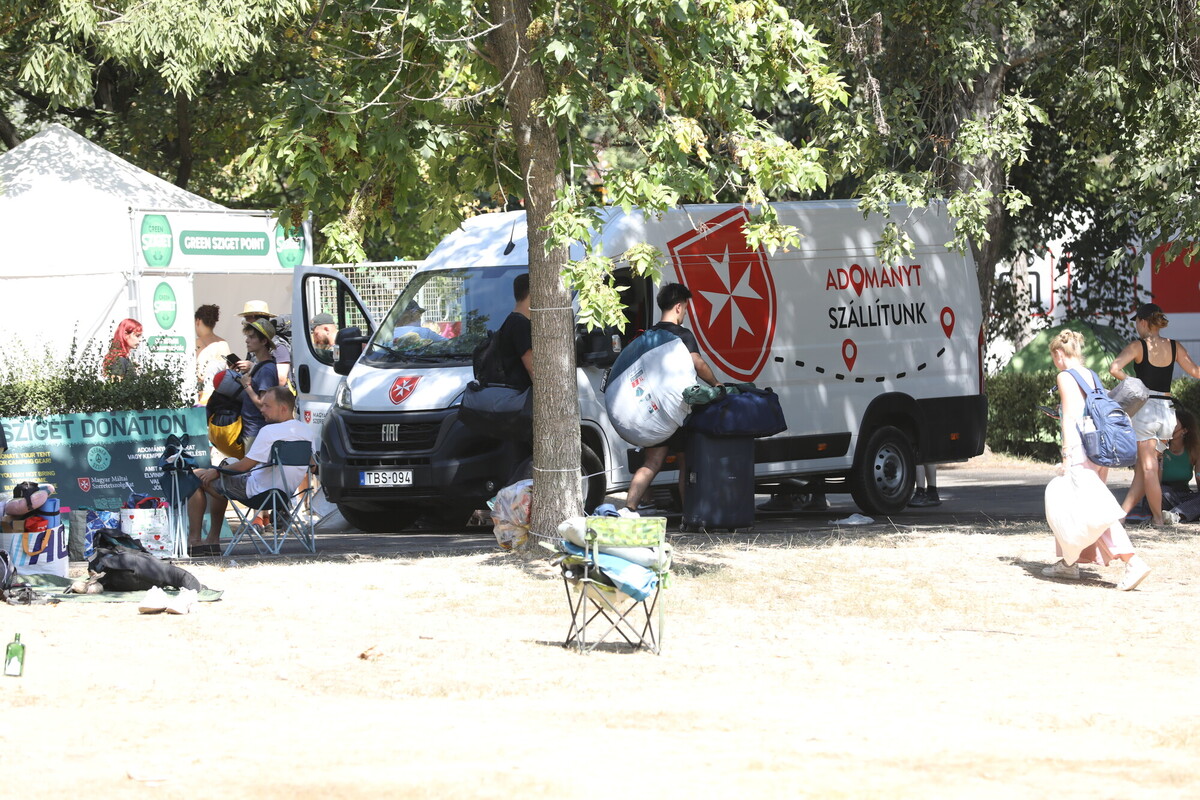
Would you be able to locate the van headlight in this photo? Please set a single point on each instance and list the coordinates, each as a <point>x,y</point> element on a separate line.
<point>341,398</point>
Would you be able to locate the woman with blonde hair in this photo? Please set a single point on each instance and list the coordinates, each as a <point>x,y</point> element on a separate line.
<point>1066,351</point>
<point>1154,424</point>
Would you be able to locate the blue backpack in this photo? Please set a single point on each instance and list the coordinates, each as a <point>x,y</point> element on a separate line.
<point>1112,442</point>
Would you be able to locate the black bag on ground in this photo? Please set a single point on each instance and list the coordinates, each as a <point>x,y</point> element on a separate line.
<point>131,571</point>
<point>750,411</point>
<point>113,539</point>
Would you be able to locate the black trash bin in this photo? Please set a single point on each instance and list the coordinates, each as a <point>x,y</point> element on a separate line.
<point>719,483</point>
<point>719,479</point>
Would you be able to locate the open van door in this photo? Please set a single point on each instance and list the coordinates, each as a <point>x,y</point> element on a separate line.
<point>321,290</point>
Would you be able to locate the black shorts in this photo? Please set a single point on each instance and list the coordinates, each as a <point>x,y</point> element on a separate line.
<point>676,442</point>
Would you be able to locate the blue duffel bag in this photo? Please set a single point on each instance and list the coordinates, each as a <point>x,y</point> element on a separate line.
<point>749,411</point>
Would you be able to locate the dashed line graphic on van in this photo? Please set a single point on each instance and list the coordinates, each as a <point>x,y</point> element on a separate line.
<point>850,354</point>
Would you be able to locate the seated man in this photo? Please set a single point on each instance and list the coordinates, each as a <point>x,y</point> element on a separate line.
<point>324,334</point>
<point>409,324</point>
<point>279,409</point>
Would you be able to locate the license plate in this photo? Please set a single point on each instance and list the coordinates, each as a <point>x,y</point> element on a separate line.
<point>385,477</point>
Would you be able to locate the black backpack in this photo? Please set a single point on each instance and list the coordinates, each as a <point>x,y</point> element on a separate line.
<point>485,361</point>
<point>132,571</point>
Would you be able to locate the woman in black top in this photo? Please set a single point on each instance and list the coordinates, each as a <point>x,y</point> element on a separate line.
<point>1154,424</point>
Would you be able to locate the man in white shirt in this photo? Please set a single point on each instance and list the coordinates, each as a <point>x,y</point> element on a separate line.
<point>279,409</point>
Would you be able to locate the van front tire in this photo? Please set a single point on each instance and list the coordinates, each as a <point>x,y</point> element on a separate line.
<point>883,477</point>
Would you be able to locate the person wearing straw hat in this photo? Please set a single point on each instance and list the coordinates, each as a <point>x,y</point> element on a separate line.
<point>263,375</point>
<point>259,311</point>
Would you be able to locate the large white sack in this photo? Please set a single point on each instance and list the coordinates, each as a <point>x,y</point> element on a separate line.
<point>644,396</point>
<point>1079,508</point>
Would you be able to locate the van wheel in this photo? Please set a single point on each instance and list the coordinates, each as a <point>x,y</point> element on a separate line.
<point>592,488</point>
<point>884,477</point>
<point>393,520</point>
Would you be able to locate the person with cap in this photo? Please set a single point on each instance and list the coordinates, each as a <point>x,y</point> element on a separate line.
<point>323,329</point>
<point>260,377</point>
<point>259,311</point>
<point>409,324</point>
<point>1154,424</point>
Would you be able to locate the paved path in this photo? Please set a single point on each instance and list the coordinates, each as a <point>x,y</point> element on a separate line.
<point>972,494</point>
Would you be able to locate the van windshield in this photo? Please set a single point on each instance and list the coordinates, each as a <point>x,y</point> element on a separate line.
<point>441,316</point>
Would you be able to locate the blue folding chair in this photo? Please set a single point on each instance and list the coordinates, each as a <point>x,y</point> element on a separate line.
<point>289,510</point>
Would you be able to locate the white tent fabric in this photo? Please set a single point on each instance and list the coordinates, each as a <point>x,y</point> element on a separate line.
<point>68,245</point>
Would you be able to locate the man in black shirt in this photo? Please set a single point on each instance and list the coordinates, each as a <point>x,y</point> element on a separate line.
<point>514,345</point>
<point>672,302</point>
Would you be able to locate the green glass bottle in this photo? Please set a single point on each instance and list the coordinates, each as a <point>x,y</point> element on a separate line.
<point>14,658</point>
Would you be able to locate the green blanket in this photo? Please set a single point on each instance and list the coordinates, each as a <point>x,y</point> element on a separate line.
<point>56,587</point>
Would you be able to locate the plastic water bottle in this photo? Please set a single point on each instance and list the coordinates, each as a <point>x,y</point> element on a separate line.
<point>14,658</point>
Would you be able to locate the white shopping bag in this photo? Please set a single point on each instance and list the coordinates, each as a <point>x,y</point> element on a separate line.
<point>151,527</point>
<point>1079,508</point>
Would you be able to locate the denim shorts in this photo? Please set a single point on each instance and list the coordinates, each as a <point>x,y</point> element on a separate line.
<point>1155,420</point>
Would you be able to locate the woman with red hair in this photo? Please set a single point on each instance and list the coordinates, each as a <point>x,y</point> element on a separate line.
<point>127,337</point>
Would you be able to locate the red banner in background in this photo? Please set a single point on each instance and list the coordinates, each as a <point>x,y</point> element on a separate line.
<point>1176,284</point>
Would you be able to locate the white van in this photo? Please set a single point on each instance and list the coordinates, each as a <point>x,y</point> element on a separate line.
<point>878,368</point>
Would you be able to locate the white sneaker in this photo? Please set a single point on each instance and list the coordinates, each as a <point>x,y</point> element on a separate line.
<point>628,513</point>
<point>155,601</point>
<point>1170,518</point>
<point>183,602</point>
<point>1062,571</point>
<point>1136,571</point>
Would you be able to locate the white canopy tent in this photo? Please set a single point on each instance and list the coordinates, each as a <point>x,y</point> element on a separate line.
<point>73,264</point>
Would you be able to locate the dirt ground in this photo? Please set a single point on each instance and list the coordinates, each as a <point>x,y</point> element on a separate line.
<point>884,662</point>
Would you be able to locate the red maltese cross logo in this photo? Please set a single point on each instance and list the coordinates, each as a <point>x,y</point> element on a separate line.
<point>403,387</point>
<point>733,306</point>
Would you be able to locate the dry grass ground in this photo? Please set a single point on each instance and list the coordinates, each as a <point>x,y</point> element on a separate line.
<point>925,663</point>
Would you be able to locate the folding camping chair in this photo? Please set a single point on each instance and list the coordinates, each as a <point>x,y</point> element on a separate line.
<point>615,582</point>
<point>289,516</point>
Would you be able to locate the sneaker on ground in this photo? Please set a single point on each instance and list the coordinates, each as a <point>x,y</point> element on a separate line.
<point>627,512</point>
<point>925,499</point>
<point>1061,570</point>
<point>183,602</point>
<point>156,600</point>
<point>817,503</point>
<point>1136,571</point>
<point>778,502</point>
<point>1170,518</point>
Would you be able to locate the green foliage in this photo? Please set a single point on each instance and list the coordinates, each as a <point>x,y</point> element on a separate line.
<point>1015,425</point>
<point>38,387</point>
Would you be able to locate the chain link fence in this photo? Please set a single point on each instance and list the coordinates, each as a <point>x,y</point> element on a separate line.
<point>378,283</point>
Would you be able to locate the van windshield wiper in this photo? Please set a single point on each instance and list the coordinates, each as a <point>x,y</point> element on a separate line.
<point>387,349</point>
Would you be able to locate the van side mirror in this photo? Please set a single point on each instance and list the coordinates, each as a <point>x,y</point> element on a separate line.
<point>348,346</point>
<point>596,348</point>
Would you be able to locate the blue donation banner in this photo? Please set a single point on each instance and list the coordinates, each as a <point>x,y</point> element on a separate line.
<point>94,459</point>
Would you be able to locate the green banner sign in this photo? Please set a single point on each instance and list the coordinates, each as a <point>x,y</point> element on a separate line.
<point>224,243</point>
<point>94,459</point>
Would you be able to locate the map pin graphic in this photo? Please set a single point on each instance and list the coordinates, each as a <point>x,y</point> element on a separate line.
<point>857,278</point>
<point>947,320</point>
<point>849,353</point>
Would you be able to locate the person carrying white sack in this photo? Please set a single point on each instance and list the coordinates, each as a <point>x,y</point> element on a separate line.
<point>1085,517</point>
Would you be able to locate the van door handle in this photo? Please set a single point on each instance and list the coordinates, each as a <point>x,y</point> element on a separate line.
<point>302,377</point>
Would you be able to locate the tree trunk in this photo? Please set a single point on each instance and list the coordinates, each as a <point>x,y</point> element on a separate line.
<point>556,489</point>
<point>183,123</point>
<point>979,100</point>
